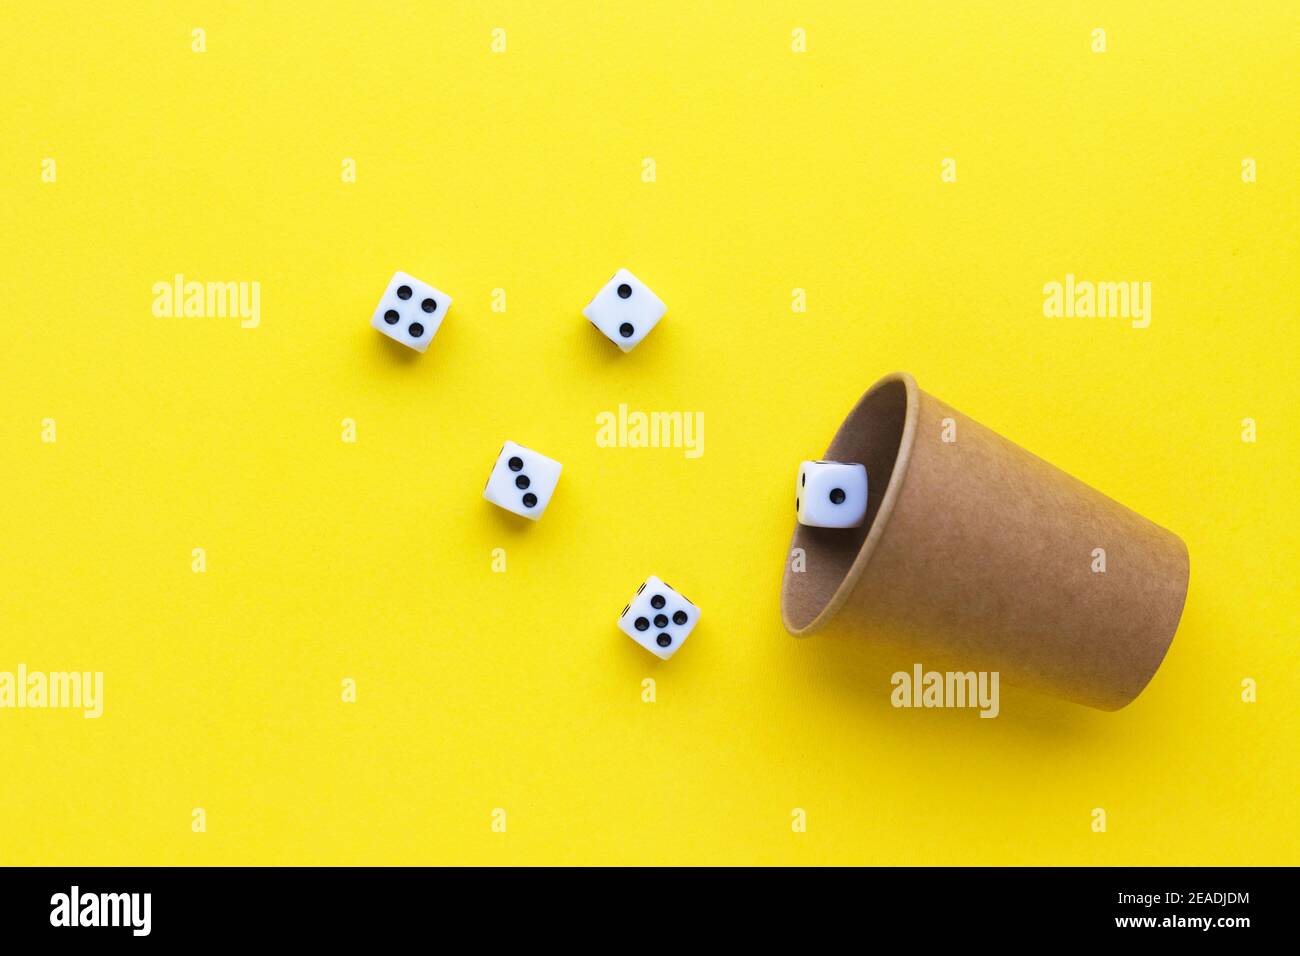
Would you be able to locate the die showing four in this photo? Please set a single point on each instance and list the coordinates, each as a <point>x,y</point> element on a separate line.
<point>410,311</point>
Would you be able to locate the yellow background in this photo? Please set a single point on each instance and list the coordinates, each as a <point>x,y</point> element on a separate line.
<point>522,170</point>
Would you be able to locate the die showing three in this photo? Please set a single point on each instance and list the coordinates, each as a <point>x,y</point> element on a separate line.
<point>522,480</point>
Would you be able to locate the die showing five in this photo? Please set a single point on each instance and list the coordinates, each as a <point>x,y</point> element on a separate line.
<point>659,618</point>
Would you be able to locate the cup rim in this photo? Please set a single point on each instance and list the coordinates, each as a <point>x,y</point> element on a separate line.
<point>793,586</point>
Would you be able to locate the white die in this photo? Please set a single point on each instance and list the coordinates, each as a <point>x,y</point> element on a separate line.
<point>658,618</point>
<point>522,481</point>
<point>625,310</point>
<point>831,494</point>
<point>410,311</point>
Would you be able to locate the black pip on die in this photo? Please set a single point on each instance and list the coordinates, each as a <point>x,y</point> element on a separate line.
<point>625,310</point>
<point>410,311</point>
<point>831,494</point>
<point>658,618</point>
<point>522,481</point>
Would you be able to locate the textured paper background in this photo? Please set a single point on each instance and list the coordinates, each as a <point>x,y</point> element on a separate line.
<point>522,171</point>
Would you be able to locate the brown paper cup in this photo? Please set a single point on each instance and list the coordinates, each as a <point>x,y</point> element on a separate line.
<point>978,553</point>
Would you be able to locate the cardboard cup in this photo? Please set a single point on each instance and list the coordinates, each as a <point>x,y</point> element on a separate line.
<point>979,554</point>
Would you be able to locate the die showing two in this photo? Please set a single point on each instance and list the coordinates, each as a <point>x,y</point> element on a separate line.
<point>625,310</point>
<point>522,481</point>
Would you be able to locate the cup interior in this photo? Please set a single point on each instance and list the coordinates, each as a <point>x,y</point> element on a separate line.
<point>877,433</point>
